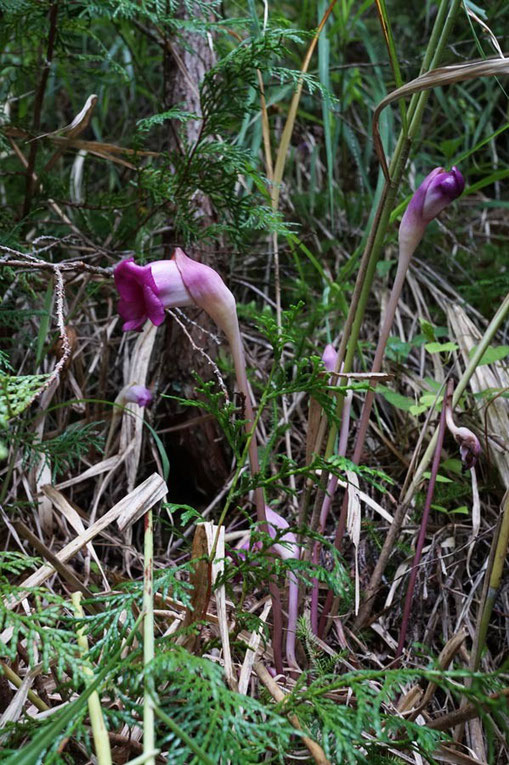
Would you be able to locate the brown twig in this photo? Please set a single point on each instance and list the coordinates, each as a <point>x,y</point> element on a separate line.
<point>469,712</point>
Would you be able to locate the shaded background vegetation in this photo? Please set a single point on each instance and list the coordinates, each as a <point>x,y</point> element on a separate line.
<point>172,154</point>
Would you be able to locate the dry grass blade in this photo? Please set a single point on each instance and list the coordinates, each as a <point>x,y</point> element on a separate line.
<point>99,467</point>
<point>250,657</point>
<point>72,516</point>
<point>129,509</point>
<point>446,75</point>
<point>314,749</point>
<point>220,594</point>
<point>132,427</point>
<point>200,579</point>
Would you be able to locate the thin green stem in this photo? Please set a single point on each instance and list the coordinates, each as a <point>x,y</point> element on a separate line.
<point>499,546</point>
<point>99,731</point>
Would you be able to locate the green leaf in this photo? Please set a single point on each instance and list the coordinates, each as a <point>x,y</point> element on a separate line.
<point>396,399</point>
<point>175,113</point>
<point>428,330</point>
<point>492,354</point>
<point>440,478</point>
<point>441,347</point>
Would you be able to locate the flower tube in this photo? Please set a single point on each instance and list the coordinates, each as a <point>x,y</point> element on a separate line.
<point>437,190</point>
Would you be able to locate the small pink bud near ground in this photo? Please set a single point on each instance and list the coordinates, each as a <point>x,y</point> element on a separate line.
<point>329,357</point>
<point>439,189</point>
<point>138,394</point>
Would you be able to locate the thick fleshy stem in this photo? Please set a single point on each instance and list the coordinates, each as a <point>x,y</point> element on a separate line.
<point>327,501</point>
<point>422,533</point>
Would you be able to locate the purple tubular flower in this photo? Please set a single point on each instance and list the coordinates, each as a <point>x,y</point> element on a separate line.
<point>469,445</point>
<point>286,548</point>
<point>439,188</point>
<point>138,394</point>
<point>470,448</point>
<point>208,291</point>
<point>329,357</point>
<point>146,291</point>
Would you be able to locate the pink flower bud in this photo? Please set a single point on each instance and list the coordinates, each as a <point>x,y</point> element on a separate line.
<point>438,189</point>
<point>138,394</point>
<point>470,448</point>
<point>329,357</point>
<point>208,291</point>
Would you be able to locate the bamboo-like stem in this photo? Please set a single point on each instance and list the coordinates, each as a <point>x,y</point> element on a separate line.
<point>13,678</point>
<point>499,546</point>
<point>493,576</point>
<point>403,265</point>
<point>422,533</point>
<point>148,637</point>
<point>348,347</point>
<point>346,352</point>
<point>99,731</point>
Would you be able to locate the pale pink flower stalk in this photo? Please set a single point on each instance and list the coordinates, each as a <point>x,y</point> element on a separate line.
<point>329,358</point>
<point>469,445</point>
<point>438,190</point>
<point>287,549</point>
<point>146,292</point>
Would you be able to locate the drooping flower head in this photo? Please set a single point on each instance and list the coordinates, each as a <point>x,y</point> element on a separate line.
<point>439,189</point>
<point>469,445</point>
<point>470,448</point>
<point>138,394</point>
<point>146,291</point>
